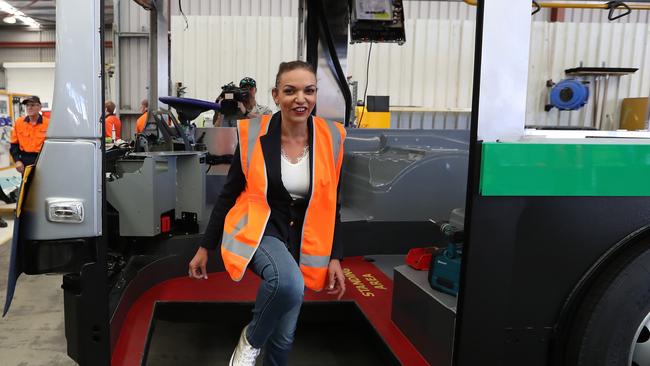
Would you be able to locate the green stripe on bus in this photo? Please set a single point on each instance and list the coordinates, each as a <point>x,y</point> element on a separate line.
<point>571,169</point>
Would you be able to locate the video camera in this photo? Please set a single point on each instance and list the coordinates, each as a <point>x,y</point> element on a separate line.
<point>230,95</point>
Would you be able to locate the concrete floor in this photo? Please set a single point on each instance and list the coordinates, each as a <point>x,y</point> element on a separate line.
<point>32,333</point>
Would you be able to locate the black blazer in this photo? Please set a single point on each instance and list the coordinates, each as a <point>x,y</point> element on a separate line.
<point>287,214</point>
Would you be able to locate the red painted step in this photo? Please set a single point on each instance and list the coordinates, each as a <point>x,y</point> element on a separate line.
<point>366,285</point>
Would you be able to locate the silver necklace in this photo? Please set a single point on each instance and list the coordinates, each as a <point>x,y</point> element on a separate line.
<point>305,153</point>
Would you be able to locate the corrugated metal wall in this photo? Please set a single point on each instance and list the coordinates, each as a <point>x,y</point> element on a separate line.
<point>439,54</point>
<point>132,17</point>
<point>600,16</point>
<point>275,8</point>
<point>429,120</point>
<point>559,46</point>
<point>134,54</point>
<point>39,54</point>
<point>205,85</point>
<point>207,55</point>
<point>447,35</point>
<point>458,10</point>
<point>32,54</point>
<point>132,44</point>
<point>134,69</point>
<point>413,9</point>
<point>445,91</point>
<point>27,54</point>
<point>448,10</point>
<point>435,72</point>
<point>215,50</point>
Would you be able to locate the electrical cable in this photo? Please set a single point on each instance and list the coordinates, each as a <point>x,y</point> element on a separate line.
<point>339,76</point>
<point>180,9</point>
<point>365,92</point>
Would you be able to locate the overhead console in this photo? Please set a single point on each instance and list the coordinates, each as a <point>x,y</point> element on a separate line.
<point>377,21</point>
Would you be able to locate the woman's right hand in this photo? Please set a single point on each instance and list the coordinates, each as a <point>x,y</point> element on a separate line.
<point>198,263</point>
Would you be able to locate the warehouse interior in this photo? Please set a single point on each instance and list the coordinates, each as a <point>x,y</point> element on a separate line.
<point>493,205</point>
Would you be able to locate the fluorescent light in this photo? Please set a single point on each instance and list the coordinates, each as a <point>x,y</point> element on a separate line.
<point>28,21</point>
<point>17,14</point>
<point>9,20</point>
<point>6,7</point>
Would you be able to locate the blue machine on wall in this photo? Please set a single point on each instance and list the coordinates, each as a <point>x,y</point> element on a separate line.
<point>568,95</point>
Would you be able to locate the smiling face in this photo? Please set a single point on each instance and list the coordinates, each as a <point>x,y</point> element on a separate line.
<point>295,94</point>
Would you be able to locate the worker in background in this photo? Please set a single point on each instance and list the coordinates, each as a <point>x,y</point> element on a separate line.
<point>113,125</point>
<point>28,134</point>
<point>253,109</point>
<point>276,218</point>
<point>142,120</point>
<point>248,109</point>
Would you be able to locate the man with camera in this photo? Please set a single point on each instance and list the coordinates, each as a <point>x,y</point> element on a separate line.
<point>238,103</point>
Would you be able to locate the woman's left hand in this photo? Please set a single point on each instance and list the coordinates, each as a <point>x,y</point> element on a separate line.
<point>336,280</point>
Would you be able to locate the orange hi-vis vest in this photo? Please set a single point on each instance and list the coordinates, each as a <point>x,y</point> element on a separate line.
<point>29,136</point>
<point>246,221</point>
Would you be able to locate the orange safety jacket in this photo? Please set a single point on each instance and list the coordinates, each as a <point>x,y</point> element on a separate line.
<point>141,123</point>
<point>246,221</point>
<point>113,121</point>
<point>29,136</point>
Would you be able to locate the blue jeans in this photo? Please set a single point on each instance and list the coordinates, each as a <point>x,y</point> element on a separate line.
<point>278,301</point>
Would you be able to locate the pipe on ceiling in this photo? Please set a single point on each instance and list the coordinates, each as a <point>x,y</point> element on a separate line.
<point>575,5</point>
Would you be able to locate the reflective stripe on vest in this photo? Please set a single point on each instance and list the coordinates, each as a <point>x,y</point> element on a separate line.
<point>233,245</point>
<point>246,221</point>
<point>320,216</point>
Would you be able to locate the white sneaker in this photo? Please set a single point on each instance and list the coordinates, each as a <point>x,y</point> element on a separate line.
<point>244,354</point>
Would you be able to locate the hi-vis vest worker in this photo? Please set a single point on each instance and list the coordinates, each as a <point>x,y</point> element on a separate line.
<point>28,134</point>
<point>246,221</point>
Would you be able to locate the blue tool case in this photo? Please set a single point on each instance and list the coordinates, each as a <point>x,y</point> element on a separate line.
<point>444,272</point>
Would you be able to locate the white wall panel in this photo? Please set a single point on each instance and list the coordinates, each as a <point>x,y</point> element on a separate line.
<point>600,16</point>
<point>35,78</point>
<point>36,54</point>
<point>21,55</point>
<point>215,50</point>
<point>132,62</point>
<point>133,73</point>
<point>559,46</point>
<point>277,8</point>
<point>451,10</point>
<point>433,69</point>
<point>132,17</point>
<point>48,35</point>
<point>12,35</point>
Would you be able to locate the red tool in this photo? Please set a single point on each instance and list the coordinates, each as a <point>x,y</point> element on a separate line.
<point>420,258</point>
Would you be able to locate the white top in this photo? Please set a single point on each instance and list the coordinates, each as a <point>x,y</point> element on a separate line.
<point>295,177</point>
